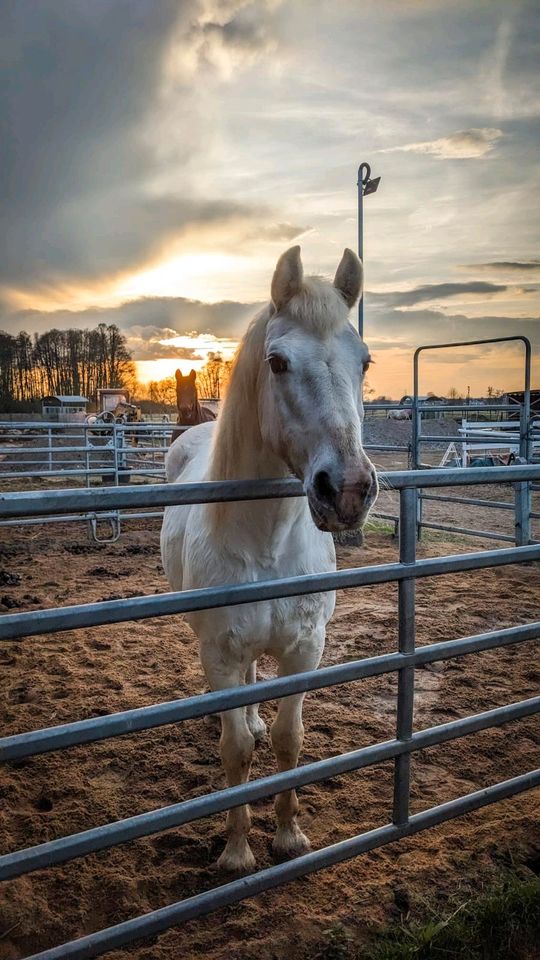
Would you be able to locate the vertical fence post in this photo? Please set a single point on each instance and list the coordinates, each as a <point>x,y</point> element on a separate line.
<point>86,441</point>
<point>416,429</point>
<point>408,503</point>
<point>522,491</point>
<point>116,441</point>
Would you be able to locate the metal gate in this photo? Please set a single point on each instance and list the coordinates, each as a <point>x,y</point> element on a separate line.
<point>401,749</point>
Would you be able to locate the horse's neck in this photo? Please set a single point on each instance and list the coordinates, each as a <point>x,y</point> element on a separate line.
<point>239,453</point>
<point>262,527</point>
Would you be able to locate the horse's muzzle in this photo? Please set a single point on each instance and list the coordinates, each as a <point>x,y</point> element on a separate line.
<point>337,506</point>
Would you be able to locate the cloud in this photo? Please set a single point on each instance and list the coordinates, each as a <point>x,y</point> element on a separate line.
<point>229,36</point>
<point>472,144</point>
<point>434,292</point>
<point>395,327</point>
<point>505,266</point>
<point>101,146</point>
<point>146,322</point>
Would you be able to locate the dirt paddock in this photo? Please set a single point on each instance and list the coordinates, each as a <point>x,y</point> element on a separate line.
<point>52,679</point>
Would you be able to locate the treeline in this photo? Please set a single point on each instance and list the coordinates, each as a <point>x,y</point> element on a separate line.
<point>72,362</point>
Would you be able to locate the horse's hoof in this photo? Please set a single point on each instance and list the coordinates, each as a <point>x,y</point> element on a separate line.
<point>257,728</point>
<point>237,858</point>
<point>290,842</point>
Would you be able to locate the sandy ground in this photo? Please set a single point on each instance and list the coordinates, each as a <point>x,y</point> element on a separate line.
<point>63,677</point>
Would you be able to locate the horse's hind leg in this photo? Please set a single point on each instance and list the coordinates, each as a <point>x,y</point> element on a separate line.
<point>287,733</point>
<point>236,747</point>
<point>254,722</point>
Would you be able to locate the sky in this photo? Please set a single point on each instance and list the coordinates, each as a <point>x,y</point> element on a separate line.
<point>159,155</point>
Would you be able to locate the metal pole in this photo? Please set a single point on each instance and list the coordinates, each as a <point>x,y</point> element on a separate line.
<point>365,186</point>
<point>407,636</point>
<point>363,172</point>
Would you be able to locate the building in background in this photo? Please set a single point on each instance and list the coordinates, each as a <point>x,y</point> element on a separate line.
<point>61,407</point>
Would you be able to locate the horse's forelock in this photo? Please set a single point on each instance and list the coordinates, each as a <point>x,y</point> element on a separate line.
<point>319,307</point>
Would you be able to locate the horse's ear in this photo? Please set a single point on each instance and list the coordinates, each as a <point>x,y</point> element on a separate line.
<point>192,375</point>
<point>287,279</point>
<point>178,376</point>
<point>349,277</point>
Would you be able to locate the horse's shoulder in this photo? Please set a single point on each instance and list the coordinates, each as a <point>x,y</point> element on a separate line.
<point>185,448</point>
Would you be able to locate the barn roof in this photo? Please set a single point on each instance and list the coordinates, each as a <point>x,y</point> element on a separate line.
<point>65,398</point>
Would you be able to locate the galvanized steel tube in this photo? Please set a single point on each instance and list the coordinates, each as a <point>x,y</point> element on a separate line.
<point>158,921</point>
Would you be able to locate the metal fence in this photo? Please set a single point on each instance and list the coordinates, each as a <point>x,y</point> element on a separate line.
<point>525,436</point>
<point>115,454</point>
<point>112,454</point>
<point>400,749</point>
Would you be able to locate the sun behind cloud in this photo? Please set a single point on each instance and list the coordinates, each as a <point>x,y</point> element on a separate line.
<point>191,352</point>
<point>198,276</point>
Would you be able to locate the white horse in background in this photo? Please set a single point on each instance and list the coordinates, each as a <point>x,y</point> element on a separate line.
<point>294,404</point>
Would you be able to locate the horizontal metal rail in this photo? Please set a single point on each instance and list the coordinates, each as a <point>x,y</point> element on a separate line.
<point>84,518</point>
<point>127,722</point>
<point>111,834</point>
<point>467,531</point>
<point>92,449</point>
<point>496,504</point>
<point>72,427</point>
<point>479,439</point>
<point>444,408</point>
<point>459,531</point>
<point>45,503</point>
<point>156,922</point>
<point>53,620</point>
<point>387,447</point>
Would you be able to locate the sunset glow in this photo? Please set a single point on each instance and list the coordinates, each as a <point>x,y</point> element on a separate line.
<point>163,193</point>
<point>199,347</point>
<point>196,276</point>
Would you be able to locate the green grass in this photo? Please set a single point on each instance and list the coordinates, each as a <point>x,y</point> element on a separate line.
<point>501,924</point>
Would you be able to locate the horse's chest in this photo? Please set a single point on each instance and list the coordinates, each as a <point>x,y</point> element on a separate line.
<point>294,616</point>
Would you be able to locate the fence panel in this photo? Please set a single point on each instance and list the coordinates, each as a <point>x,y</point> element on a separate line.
<point>401,749</point>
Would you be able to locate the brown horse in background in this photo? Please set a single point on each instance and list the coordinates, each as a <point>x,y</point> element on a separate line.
<point>190,411</point>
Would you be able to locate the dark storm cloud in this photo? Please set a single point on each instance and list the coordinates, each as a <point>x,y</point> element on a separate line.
<point>145,322</point>
<point>388,328</point>
<point>78,79</point>
<point>505,266</point>
<point>444,291</point>
<point>79,121</point>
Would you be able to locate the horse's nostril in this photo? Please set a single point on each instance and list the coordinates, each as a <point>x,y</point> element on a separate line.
<point>324,487</point>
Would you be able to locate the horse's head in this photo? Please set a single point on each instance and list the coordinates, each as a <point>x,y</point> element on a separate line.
<point>186,397</point>
<point>310,392</point>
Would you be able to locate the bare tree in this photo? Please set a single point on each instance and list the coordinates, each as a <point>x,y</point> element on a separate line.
<point>213,377</point>
<point>62,362</point>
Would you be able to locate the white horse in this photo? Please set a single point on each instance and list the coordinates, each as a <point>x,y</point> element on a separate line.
<point>294,404</point>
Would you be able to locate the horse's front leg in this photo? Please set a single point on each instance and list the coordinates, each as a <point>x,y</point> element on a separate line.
<point>236,747</point>
<point>287,733</point>
<point>254,721</point>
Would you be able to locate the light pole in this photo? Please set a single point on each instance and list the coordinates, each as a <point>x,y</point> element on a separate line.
<point>365,186</point>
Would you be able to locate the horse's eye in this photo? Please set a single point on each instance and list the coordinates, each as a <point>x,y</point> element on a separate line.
<point>365,366</point>
<point>278,364</point>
